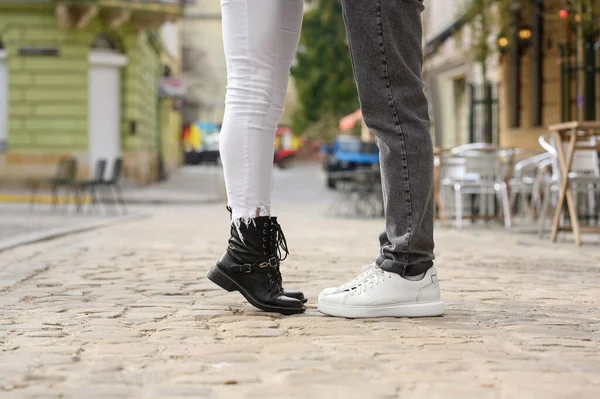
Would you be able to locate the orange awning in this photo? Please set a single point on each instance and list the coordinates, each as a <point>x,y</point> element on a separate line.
<point>349,121</point>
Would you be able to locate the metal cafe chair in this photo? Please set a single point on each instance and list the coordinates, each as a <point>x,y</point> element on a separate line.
<point>524,184</point>
<point>476,169</point>
<point>90,186</point>
<point>358,193</point>
<point>66,173</point>
<point>112,186</point>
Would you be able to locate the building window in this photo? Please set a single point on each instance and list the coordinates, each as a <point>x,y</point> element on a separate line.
<point>105,42</point>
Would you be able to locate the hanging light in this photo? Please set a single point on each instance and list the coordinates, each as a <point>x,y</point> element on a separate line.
<point>563,14</point>
<point>503,43</point>
<point>525,33</point>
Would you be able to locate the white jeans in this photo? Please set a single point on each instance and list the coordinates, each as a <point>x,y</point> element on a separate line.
<point>260,38</point>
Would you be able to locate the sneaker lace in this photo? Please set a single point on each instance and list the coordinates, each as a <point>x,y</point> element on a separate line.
<point>357,278</point>
<point>369,283</point>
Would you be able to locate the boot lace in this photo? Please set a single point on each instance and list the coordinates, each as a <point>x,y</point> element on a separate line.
<point>280,249</point>
<point>279,243</point>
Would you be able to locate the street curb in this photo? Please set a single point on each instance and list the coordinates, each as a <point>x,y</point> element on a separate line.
<point>40,199</point>
<point>23,199</point>
<point>32,238</point>
<point>207,201</point>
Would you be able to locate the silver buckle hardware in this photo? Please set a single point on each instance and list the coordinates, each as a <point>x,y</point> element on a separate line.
<point>247,268</point>
<point>272,262</point>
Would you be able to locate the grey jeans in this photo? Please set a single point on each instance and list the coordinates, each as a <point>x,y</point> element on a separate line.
<point>385,38</point>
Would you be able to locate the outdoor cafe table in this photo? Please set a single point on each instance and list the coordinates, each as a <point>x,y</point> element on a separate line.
<point>572,134</point>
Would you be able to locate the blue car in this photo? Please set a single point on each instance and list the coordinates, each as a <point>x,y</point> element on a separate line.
<point>348,153</point>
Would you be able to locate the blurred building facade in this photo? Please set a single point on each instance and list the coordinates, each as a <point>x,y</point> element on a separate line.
<point>540,86</point>
<point>453,80</point>
<point>536,77</point>
<point>83,79</point>
<point>204,67</point>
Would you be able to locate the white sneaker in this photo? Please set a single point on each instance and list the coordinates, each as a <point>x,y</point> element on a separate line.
<point>366,272</point>
<point>385,294</point>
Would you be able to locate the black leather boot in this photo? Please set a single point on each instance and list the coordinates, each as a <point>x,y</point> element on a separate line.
<point>251,266</point>
<point>275,246</point>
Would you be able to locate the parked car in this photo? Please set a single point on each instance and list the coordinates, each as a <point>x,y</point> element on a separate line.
<point>201,143</point>
<point>348,153</point>
<point>286,147</point>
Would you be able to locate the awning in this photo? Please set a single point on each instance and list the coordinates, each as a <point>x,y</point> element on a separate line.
<point>172,87</point>
<point>144,14</point>
<point>349,121</point>
<point>432,45</point>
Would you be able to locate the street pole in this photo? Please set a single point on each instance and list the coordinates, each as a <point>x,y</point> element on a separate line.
<point>580,62</point>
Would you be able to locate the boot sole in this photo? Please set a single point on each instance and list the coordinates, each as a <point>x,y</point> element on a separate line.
<point>227,283</point>
<point>425,309</point>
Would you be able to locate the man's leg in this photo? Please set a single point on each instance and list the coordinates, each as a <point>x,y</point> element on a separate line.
<point>385,38</point>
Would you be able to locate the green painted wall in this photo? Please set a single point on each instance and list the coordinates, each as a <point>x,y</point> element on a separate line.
<point>48,95</point>
<point>140,84</point>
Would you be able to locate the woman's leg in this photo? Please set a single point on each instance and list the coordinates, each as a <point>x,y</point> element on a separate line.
<point>260,39</point>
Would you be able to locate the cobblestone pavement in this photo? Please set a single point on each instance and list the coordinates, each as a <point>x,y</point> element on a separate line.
<point>17,219</point>
<point>126,312</point>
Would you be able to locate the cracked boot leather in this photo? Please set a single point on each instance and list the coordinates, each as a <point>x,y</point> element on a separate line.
<point>251,266</point>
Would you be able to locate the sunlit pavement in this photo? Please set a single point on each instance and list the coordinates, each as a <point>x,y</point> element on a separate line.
<point>126,311</point>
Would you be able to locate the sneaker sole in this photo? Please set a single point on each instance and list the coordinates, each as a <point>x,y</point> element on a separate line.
<point>426,309</point>
<point>227,283</point>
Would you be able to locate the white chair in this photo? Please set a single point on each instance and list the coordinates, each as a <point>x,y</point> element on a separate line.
<point>475,169</point>
<point>525,182</point>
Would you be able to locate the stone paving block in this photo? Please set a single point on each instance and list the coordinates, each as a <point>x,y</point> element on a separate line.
<point>96,391</point>
<point>257,332</point>
<point>246,324</point>
<point>184,333</point>
<point>175,391</point>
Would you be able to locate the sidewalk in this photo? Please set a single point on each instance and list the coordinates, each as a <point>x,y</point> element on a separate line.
<point>187,185</point>
<point>126,312</point>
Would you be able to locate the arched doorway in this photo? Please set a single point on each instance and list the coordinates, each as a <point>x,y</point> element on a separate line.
<point>3,98</point>
<point>104,101</point>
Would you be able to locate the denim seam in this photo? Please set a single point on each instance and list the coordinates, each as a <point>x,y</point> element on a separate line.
<point>403,142</point>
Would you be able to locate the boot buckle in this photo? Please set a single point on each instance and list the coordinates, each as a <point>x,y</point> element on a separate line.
<point>272,262</point>
<point>262,265</point>
<point>247,268</point>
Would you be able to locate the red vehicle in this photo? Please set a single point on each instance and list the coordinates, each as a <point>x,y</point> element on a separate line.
<point>285,147</point>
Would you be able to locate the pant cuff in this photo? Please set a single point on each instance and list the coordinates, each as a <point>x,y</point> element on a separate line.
<point>403,269</point>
